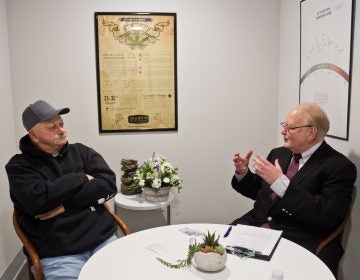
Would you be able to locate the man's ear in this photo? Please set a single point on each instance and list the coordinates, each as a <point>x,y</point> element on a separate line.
<point>33,136</point>
<point>313,134</point>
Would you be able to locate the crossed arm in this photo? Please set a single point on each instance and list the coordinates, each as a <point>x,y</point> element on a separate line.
<point>57,210</point>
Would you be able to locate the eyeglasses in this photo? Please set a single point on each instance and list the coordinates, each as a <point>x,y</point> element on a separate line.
<point>286,127</point>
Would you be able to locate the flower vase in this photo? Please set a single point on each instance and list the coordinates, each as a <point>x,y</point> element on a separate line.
<point>156,195</point>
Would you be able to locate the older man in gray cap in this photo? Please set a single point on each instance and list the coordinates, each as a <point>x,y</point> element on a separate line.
<point>57,189</point>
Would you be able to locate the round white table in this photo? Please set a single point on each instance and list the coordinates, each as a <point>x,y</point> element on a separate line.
<point>134,257</point>
<point>138,202</point>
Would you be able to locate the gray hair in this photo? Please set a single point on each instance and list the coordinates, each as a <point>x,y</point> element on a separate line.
<point>315,116</point>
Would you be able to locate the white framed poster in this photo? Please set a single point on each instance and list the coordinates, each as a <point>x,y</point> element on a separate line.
<point>326,58</point>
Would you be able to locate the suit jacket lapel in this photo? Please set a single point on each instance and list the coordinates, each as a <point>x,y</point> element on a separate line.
<point>284,159</point>
<point>316,159</point>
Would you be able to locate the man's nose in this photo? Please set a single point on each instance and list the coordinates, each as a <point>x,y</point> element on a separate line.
<point>60,129</point>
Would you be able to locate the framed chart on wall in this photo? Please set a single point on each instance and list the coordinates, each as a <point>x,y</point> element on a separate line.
<point>136,71</point>
<point>326,59</point>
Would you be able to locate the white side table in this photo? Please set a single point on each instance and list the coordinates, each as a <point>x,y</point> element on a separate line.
<point>138,202</point>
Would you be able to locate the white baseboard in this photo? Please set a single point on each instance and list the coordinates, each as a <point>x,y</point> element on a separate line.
<point>17,269</point>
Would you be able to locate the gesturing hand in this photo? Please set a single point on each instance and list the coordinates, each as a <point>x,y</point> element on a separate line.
<point>266,170</point>
<point>241,163</point>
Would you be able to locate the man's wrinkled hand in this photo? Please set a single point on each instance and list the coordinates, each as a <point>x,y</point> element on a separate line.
<point>266,170</point>
<point>241,163</point>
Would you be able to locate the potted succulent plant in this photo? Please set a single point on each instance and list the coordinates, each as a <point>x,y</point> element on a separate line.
<point>208,255</point>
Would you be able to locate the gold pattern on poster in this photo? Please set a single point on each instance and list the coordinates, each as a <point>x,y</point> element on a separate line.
<point>136,71</point>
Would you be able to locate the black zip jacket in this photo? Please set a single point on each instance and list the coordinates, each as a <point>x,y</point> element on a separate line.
<point>39,182</point>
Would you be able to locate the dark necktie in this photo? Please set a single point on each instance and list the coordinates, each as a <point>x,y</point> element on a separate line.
<point>290,172</point>
<point>293,166</point>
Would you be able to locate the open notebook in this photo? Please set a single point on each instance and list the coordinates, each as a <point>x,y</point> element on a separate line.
<point>261,241</point>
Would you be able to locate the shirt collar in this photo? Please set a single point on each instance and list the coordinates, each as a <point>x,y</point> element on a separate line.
<point>306,155</point>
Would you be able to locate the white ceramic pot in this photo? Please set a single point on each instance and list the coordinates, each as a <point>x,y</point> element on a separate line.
<point>209,261</point>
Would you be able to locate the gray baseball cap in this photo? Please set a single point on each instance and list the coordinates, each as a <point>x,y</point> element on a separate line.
<point>40,111</point>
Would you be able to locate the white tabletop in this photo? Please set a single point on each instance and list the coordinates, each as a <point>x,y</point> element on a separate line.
<point>138,202</point>
<point>134,257</point>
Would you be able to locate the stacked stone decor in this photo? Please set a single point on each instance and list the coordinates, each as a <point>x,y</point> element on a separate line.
<point>128,167</point>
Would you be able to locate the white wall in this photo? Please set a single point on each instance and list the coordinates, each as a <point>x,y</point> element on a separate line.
<point>227,89</point>
<point>231,95</point>
<point>288,98</point>
<point>9,245</point>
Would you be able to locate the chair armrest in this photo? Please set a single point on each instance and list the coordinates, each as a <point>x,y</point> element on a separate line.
<point>338,232</point>
<point>32,254</point>
<point>118,220</point>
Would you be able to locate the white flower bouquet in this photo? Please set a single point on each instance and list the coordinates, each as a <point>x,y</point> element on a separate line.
<point>156,172</point>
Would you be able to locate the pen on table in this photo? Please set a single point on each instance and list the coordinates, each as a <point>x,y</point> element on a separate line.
<point>227,231</point>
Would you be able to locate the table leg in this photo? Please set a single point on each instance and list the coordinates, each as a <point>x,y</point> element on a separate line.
<point>168,214</point>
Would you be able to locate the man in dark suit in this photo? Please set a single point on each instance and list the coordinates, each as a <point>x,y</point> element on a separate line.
<point>307,204</point>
